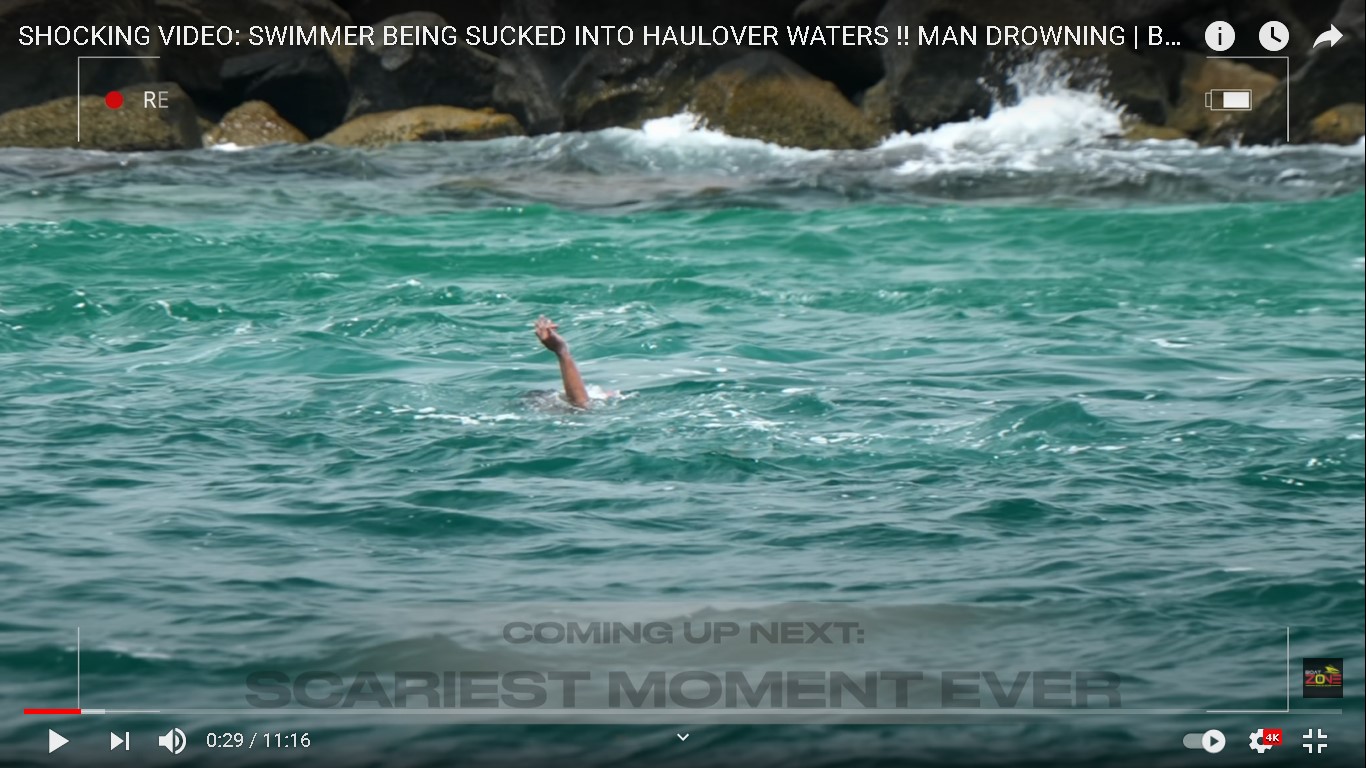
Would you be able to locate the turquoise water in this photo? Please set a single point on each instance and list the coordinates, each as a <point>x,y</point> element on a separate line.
<point>267,408</point>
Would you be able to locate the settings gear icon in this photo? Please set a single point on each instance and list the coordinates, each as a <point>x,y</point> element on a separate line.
<point>1254,740</point>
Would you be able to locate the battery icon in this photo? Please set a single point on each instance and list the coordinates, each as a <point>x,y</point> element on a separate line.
<point>1228,100</point>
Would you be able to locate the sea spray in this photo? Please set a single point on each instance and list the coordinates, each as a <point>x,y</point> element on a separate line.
<point>1050,104</point>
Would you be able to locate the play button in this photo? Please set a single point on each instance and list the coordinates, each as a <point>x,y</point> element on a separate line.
<point>55,741</point>
<point>1212,742</point>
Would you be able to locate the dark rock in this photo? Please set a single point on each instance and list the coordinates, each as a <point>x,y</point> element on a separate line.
<point>199,68</point>
<point>624,86</point>
<point>854,69</point>
<point>458,12</point>
<point>1351,18</point>
<point>38,74</point>
<point>931,85</point>
<point>129,129</point>
<point>764,95</point>
<point>305,85</point>
<point>1142,85</point>
<point>528,81</point>
<point>423,124</point>
<point>532,82</point>
<point>385,78</point>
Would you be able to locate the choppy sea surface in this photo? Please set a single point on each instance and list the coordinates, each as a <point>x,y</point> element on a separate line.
<point>1050,400</point>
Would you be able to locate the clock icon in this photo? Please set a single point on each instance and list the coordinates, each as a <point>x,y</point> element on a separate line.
<point>1274,35</point>
<point>1219,35</point>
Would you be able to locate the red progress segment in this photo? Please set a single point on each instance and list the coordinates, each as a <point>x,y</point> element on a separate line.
<point>41,711</point>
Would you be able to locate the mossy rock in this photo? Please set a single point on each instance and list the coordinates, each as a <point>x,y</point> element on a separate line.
<point>130,128</point>
<point>766,96</point>
<point>1343,124</point>
<point>254,124</point>
<point>435,123</point>
<point>1203,75</point>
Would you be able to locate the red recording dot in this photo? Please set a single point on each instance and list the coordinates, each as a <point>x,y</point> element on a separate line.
<point>113,99</point>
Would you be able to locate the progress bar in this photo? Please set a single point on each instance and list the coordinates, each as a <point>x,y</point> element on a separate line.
<point>578,715</point>
<point>562,714</point>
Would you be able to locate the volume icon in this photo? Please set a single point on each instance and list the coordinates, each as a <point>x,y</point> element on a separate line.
<point>173,740</point>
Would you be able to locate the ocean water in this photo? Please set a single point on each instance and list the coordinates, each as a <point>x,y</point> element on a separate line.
<point>1022,396</point>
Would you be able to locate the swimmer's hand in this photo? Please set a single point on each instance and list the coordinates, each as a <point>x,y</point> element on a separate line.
<point>574,391</point>
<point>546,332</point>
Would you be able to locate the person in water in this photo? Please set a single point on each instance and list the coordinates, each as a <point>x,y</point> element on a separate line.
<point>574,390</point>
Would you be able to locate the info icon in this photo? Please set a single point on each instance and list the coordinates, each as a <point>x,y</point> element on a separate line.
<point>1323,678</point>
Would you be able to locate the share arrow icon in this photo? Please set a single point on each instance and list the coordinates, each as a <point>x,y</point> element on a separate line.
<point>1332,36</point>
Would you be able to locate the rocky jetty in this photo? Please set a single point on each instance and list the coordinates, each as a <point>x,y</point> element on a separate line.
<point>814,96</point>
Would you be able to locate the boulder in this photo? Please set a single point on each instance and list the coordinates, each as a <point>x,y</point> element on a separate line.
<point>876,105</point>
<point>1203,75</point>
<point>1328,78</point>
<point>533,83</point>
<point>528,80</point>
<point>1343,124</point>
<point>1351,18</point>
<point>253,124</point>
<point>931,85</point>
<point>852,69</point>
<point>766,96</point>
<point>130,128</point>
<point>38,74</point>
<point>305,85</point>
<point>1142,84</point>
<point>199,67</point>
<point>439,123</point>
<point>384,78</point>
<point>627,85</point>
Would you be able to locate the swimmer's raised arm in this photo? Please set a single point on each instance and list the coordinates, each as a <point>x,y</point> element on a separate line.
<point>574,391</point>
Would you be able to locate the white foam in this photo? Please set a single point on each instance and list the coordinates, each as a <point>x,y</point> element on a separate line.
<point>598,393</point>
<point>686,134</point>
<point>468,421</point>
<point>1047,117</point>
